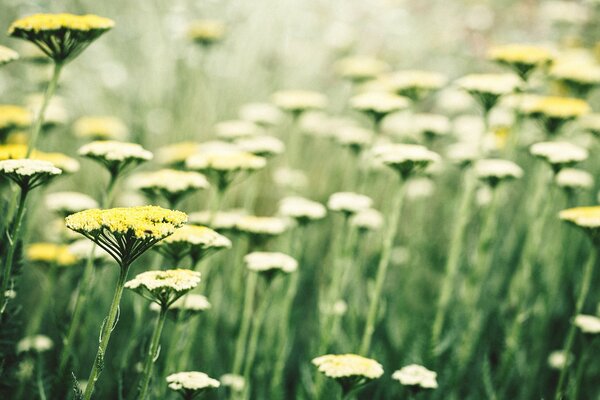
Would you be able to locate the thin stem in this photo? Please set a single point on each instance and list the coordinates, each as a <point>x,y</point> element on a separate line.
<point>245,324</point>
<point>152,353</point>
<point>39,119</point>
<point>386,252</point>
<point>40,377</point>
<point>588,273</point>
<point>105,333</point>
<point>13,241</point>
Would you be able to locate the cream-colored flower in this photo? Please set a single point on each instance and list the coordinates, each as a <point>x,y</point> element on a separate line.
<point>263,114</point>
<point>18,151</point>
<point>233,381</point>
<point>261,145</point>
<point>462,153</point>
<point>69,202</point>
<point>368,219</point>
<point>190,383</point>
<point>379,104</point>
<point>298,101</point>
<point>416,375</point>
<point>206,32</point>
<point>177,153</point>
<point>419,188</point>
<point>192,240</point>
<point>431,125</point>
<point>578,73</point>
<point>589,324</point>
<point>349,202</point>
<point>301,209</point>
<point>354,137</point>
<point>360,68</point>
<point>169,184</point>
<point>591,123</point>
<point>164,287</point>
<point>554,112</point>
<point>558,359</point>
<point>270,226</point>
<point>115,156</point>
<point>261,261</point>
<point>414,84</point>
<point>236,129</point>
<point>340,366</point>
<point>100,128</point>
<point>37,343</point>
<point>587,218</point>
<point>494,171</point>
<point>559,154</point>
<point>571,178</point>
<point>83,249</point>
<point>223,220</point>
<point>523,58</point>
<point>28,173</point>
<point>7,55</point>
<point>405,158</point>
<point>494,84</point>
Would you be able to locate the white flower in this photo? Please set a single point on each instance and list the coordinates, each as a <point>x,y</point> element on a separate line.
<point>264,114</point>
<point>575,69</point>
<point>431,124</point>
<point>28,173</point>
<point>234,381</point>
<point>197,236</point>
<point>169,181</point>
<point>379,102</point>
<point>224,160</point>
<point>111,150</point>
<point>190,302</point>
<point>235,129</point>
<point>348,365</point>
<point>191,381</point>
<point>416,375</point>
<point>574,179</point>
<point>37,343</point>
<point>402,81</point>
<point>588,324</point>
<point>7,55</point>
<point>462,153</point>
<point>591,122</point>
<point>69,202</point>
<point>83,248</point>
<point>494,84</point>
<point>222,220</point>
<point>406,158</point>
<point>349,202</point>
<point>496,170</point>
<point>261,145</point>
<point>454,101</point>
<point>164,287</point>
<point>260,261</point>
<point>558,359</point>
<point>299,100</point>
<point>367,219</point>
<point>261,225</point>
<point>353,136</point>
<point>301,209</point>
<point>559,153</point>
<point>419,188</point>
<point>294,179</point>
<point>360,67</point>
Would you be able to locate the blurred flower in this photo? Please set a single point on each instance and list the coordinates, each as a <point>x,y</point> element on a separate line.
<point>406,159</point>
<point>522,58</point>
<point>349,202</point>
<point>589,324</point>
<point>100,128</point>
<point>580,76</point>
<point>190,304</point>
<point>571,178</point>
<point>164,287</point>
<point>417,376</point>
<point>262,114</point>
<point>206,32</point>
<point>235,129</point>
<point>351,371</point>
<point>494,171</point>
<point>431,125</point>
<point>483,197</point>
<point>192,240</point>
<point>487,89</point>
<point>354,137</point>
<point>299,101</point>
<point>56,112</point>
<point>378,105</point>
<point>175,154</point>
<point>559,154</point>
<point>261,145</point>
<point>558,359</point>
<point>191,384</point>
<point>301,209</point>
<point>419,188</point>
<point>36,343</point>
<point>82,249</point>
<point>288,178</point>
<point>61,37</point>
<point>591,123</point>
<point>168,184</point>
<point>415,84</point>
<point>28,173</point>
<point>368,219</point>
<point>462,153</point>
<point>233,381</point>
<point>64,203</point>
<point>50,253</point>
<point>7,55</point>
<point>270,262</point>
<point>554,112</point>
<point>360,68</point>
<point>223,220</point>
<point>18,151</point>
<point>115,156</point>
<point>269,226</point>
<point>587,218</point>
<point>454,101</point>
<point>12,118</point>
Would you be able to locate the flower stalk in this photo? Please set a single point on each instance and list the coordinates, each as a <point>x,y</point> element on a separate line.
<point>153,352</point>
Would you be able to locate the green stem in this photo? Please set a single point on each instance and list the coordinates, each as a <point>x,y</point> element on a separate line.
<point>105,333</point>
<point>13,240</point>
<point>39,119</point>
<point>253,342</point>
<point>245,324</point>
<point>386,252</point>
<point>152,353</point>
<point>588,273</point>
<point>40,377</point>
<point>453,260</point>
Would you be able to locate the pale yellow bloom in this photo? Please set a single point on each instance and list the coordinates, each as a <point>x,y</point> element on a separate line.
<point>50,253</point>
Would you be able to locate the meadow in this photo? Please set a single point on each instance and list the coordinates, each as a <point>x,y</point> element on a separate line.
<point>289,199</point>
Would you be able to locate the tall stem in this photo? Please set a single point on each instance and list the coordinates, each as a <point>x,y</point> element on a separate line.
<point>454,258</point>
<point>13,240</point>
<point>253,342</point>
<point>105,333</point>
<point>39,118</point>
<point>588,273</point>
<point>386,252</point>
<point>152,353</point>
<point>245,324</point>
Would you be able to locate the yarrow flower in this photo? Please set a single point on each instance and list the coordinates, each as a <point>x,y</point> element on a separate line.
<point>415,84</point>
<point>406,159</point>
<point>360,68</point>
<point>261,226</point>
<point>522,58</point>
<point>126,233</point>
<point>299,101</point>
<point>51,254</point>
<point>59,160</point>
<point>61,37</point>
<point>168,184</point>
<point>270,262</point>
<point>164,287</point>
<point>221,220</point>
<point>558,359</point>
<point>353,137</point>
<point>115,156</point>
<point>194,241</point>
<point>191,384</point>
<point>462,154</point>
<point>235,129</point>
<point>494,171</point>
<point>301,209</point>
<point>175,154</point>
<point>233,381</point>
<point>559,154</point>
<point>587,218</point>
<point>12,118</point>
<point>261,145</point>
<point>348,202</point>
<point>36,343</point>
<point>487,89</point>
<point>579,75</point>
<point>83,248</point>
<point>206,32</point>
<point>7,55</point>
<point>554,112</point>
<point>379,104</point>
<point>351,371</point>
<point>190,304</point>
<point>571,178</point>
<point>262,114</point>
<point>368,219</point>
<point>65,203</point>
<point>28,173</point>
<point>100,128</point>
<point>416,376</point>
<point>589,324</point>
<point>431,125</point>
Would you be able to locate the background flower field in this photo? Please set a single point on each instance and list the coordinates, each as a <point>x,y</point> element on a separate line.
<point>384,180</point>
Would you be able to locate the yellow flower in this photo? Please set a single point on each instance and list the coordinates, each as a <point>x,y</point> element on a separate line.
<point>206,32</point>
<point>61,37</point>
<point>12,117</point>
<point>176,153</point>
<point>359,68</point>
<point>560,107</point>
<point>14,151</point>
<point>50,253</point>
<point>587,218</point>
<point>7,55</point>
<point>523,58</point>
<point>100,128</point>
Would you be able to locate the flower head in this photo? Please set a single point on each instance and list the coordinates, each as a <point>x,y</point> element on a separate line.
<point>206,32</point>
<point>115,156</point>
<point>559,154</point>
<point>589,324</point>
<point>360,68</point>
<point>261,226</point>
<point>234,381</point>
<point>126,233</point>
<point>169,184</point>
<point>406,159</point>
<point>571,178</point>
<point>349,370</point>
<point>269,262</point>
<point>462,154</point>
<point>416,376</point>
<point>164,287</point>
<point>221,220</point>
<point>522,58</point>
<point>579,75</point>
<point>379,104</point>
<point>299,101</point>
<point>190,303</point>
<point>587,218</point>
<point>262,114</point>
<point>353,137</point>
<point>28,173</point>
<point>50,253</point>
<point>487,89</point>
<point>368,219</point>
<point>349,202</point>
<point>192,240</point>
<point>494,171</point>
<point>559,359</point>
<point>7,55</point>
<point>301,209</point>
<point>12,118</point>
<point>235,129</point>
<point>176,154</point>
<point>100,128</point>
<point>553,112</point>
<point>65,203</point>
<point>415,84</point>
<point>261,145</point>
<point>37,343</point>
<point>61,37</point>
<point>431,125</point>
<point>191,384</point>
